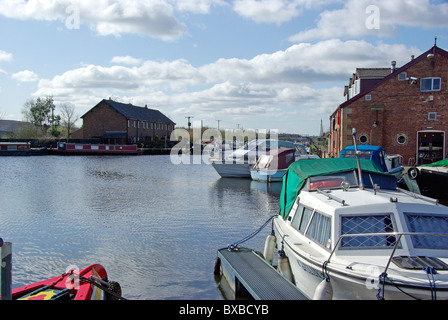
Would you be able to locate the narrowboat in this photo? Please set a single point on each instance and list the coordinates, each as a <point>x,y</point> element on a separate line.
<point>90,283</point>
<point>432,179</point>
<point>64,148</point>
<point>19,149</point>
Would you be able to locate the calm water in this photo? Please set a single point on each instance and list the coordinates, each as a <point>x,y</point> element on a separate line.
<point>153,225</point>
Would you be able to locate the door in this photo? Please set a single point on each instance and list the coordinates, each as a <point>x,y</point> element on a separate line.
<point>430,146</point>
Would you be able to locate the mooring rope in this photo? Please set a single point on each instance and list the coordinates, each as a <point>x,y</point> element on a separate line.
<point>234,245</point>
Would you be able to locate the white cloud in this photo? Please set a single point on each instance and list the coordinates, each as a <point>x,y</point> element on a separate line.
<point>126,60</point>
<point>25,76</point>
<point>288,83</point>
<point>381,18</point>
<point>5,56</point>
<point>107,17</point>
<point>275,11</point>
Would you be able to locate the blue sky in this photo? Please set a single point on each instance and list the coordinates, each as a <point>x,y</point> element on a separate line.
<point>259,64</point>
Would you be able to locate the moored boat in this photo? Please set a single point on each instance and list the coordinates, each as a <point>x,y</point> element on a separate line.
<point>237,164</point>
<point>432,179</point>
<point>90,283</point>
<point>64,148</point>
<point>19,149</point>
<point>350,240</point>
<point>272,165</point>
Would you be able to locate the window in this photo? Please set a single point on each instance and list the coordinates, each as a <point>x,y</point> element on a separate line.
<point>424,223</point>
<point>301,218</point>
<point>320,229</point>
<point>368,97</point>
<point>430,84</point>
<point>363,139</point>
<point>365,224</point>
<point>401,139</point>
<point>432,115</point>
<point>403,76</point>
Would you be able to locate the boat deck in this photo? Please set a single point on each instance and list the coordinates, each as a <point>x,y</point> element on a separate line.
<point>260,279</point>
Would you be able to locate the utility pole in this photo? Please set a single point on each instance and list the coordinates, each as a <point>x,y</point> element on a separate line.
<point>218,123</point>
<point>189,123</point>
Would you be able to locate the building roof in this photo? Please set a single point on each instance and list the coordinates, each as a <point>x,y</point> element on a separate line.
<point>397,71</point>
<point>131,112</point>
<point>372,73</point>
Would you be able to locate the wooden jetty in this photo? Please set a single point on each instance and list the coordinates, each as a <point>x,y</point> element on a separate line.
<point>245,269</point>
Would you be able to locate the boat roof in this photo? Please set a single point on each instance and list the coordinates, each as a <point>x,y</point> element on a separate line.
<point>441,163</point>
<point>299,171</point>
<point>280,151</point>
<point>364,147</point>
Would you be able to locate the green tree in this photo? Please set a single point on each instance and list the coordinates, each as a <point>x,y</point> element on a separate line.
<point>41,114</point>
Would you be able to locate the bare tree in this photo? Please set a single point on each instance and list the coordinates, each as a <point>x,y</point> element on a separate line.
<point>68,117</point>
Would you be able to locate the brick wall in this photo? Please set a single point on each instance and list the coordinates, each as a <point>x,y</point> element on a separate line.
<point>398,108</point>
<point>102,118</point>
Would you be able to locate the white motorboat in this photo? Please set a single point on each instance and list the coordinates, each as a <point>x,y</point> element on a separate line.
<point>238,163</point>
<point>350,233</point>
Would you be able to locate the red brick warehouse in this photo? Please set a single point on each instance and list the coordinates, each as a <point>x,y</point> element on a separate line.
<point>404,110</point>
<point>120,123</point>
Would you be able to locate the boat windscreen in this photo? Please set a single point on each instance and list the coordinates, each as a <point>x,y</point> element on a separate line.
<point>350,179</point>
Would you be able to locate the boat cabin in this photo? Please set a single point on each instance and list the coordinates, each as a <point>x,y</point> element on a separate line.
<point>276,159</point>
<point>389,162</point>
<point>328,208</point>
<point>14,146</point>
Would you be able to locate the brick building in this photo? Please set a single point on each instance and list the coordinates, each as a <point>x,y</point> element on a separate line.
<point>119,123</point>
<point>404,110</point>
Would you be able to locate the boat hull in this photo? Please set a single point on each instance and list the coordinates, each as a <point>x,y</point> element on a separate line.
<point>232,170</point>
<point>267,175</point>
<point>63,287</point>
<point>308,274</point>
<point>92,149</point>
<point>432,182</point>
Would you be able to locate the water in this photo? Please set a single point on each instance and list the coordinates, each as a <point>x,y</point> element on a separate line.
<point>153,225</point>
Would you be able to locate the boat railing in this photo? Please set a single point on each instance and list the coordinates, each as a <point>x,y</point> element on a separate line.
<point>397,235</point>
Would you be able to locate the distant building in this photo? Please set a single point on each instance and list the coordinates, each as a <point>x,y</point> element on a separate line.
<point>119,123</point>
<point>404,110</point>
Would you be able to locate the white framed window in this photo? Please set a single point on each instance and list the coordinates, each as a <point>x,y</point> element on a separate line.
<point>363,139</point>
<point>403,76</point>
<point>430,84</point>
<point>401,139</point>
<point>368,97</point>
<point>432,115</point>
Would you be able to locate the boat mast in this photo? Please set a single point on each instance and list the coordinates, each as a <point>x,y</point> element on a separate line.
<point>361,183</point>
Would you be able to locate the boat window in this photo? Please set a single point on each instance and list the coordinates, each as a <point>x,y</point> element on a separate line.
<point>366,224</point>
<point>301,218</point>
<point>306,215</point>
<point>320,229</point>
<point>425,223</point>
<point>297,217</point>
<point>332,181</point>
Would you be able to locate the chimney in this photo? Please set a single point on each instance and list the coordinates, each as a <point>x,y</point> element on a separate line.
<point>393,66</point>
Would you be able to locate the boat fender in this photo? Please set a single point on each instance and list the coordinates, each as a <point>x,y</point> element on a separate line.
<point>284,266</point>
<point>269,248</point>
<point>217,267</point>
<point>413,173</point>
<point>324,291</point>
<point>115,288</point>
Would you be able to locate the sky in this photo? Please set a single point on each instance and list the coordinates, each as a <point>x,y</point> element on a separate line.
<point>248,64</point>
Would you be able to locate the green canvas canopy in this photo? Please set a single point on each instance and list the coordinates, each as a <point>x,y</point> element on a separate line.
<point>299,171</point>
<point>441,163</point>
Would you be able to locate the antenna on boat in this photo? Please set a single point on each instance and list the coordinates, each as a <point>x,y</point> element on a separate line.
<point>361,183</point>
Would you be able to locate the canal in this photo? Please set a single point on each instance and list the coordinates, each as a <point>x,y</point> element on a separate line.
<point>154,225</point>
